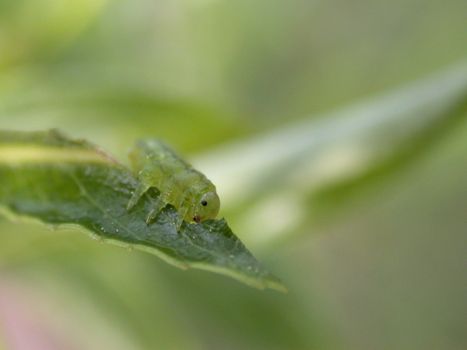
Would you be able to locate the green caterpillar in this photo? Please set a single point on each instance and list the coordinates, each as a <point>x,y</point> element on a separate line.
<point>189,191</point>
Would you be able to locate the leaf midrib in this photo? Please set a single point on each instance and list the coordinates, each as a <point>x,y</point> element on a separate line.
<point>32,154</point>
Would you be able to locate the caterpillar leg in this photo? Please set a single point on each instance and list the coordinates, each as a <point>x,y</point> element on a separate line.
<point>159,205</point>
<point>139,192</point>
<point>181,215</point>
<point>183,209</point>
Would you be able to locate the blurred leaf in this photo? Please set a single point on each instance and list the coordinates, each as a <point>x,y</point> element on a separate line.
<point>60,181</point>
<point>32,30</point>
<point>120,110</point>
<point>412,150</point>
<point>301,160</point>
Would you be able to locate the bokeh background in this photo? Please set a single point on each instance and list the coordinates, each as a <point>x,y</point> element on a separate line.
<point>336,133</point>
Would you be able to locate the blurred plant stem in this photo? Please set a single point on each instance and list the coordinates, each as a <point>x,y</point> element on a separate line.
<point>300,160</point>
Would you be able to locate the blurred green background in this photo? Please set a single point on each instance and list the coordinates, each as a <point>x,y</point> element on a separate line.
<point>336,132</point>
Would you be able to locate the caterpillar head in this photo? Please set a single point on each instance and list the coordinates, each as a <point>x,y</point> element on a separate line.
<point>207,207</point>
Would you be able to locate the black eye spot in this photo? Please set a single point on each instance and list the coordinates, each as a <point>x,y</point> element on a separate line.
<point>204,203</point>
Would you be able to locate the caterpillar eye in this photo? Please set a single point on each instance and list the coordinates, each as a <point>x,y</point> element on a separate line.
<point>204,203</point>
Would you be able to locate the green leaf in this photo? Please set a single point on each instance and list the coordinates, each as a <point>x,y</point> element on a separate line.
<point>59,181</point>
